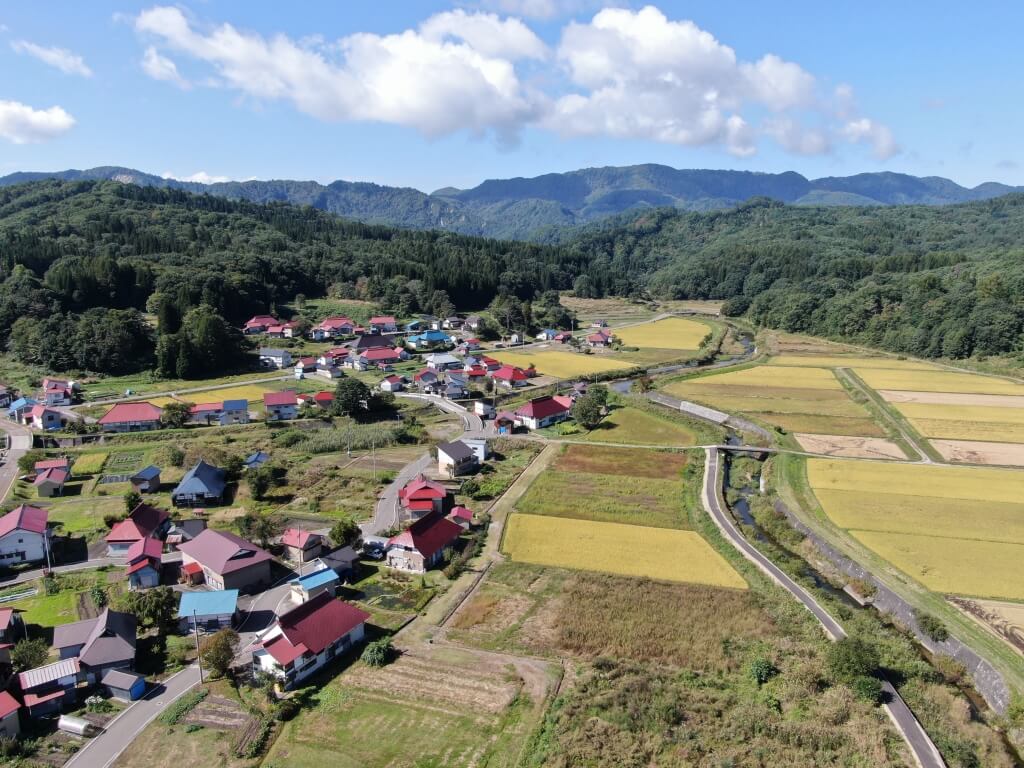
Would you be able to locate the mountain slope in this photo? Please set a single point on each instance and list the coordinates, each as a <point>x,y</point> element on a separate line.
<point>529,208</point>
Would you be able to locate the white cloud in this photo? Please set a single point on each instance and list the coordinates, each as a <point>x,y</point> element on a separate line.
<point>486,33</point>
<point>199,177</point>
<point>22,124</point>
<point>794,137</point>
<point>539,9</point>
<point>161,68</point>
<point>877,136</point>
<point>60,58</point>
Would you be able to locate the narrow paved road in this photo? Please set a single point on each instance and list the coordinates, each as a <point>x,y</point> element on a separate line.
<point>921,746</point>
<point>20,443</point>
<point>103,750</point>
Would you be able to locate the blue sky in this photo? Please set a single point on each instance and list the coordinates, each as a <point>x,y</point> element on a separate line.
<point>431,94</point>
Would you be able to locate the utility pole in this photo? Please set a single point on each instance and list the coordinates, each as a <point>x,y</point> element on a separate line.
<point>199,657</point>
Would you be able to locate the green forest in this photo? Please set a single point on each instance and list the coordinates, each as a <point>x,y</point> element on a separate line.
<point>83,263</point>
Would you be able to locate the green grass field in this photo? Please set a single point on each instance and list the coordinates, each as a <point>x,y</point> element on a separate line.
<point>629,462</point>
<point>633,426</point>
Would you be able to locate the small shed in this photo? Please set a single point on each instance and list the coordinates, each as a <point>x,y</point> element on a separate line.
<point>301,546</point>
<point>307,587</point>
<point>124,686</point>
<point>210,610</point>
<point>146,480</point>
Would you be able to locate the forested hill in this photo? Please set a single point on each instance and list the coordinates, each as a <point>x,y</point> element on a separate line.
<point>80,260</point>
<point>536,208</point>
<point>934,282</point>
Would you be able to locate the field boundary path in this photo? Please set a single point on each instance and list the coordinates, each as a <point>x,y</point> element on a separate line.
<point>923,749</point>
<point>849,377</point>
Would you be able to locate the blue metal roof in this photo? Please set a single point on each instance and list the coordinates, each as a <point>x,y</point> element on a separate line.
<point>148,473</point>
<point>217,603</point>
<point>256,459</point>
<point>22,402</point>
<point>236,405</point>
<point>316,579</point>
<point>203,478</point>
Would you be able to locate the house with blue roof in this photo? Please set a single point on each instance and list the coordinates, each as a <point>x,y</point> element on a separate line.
<point>210,611</point>
<point>146,480</point>
<point>305,588</point>
<point>18,410</point>
<point>203,484</point>
<point>234,412</point>
<point>429,340</point>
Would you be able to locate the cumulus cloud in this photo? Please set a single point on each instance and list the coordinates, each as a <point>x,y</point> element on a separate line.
<point>199,177</point>
<point>539,9</point>
<point>22,124</point>
<point>60,58</point>
<point>624,73</point>
<point>162,68</point>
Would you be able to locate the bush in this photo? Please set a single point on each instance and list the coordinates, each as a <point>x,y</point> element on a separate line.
<point>864,588</point>
<point>29,654</point>
<point>931,626</point>
<point>761,670</point>
<point>851,658</point>
<point>378,653</point>
<point>867,688</point>
<point>470,487</point>
<point>286,710</point>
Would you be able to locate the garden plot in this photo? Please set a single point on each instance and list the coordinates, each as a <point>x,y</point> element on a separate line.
<point>671,333</point>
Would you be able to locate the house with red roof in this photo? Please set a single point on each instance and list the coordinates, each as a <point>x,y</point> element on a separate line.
<point>48,689</point>
<point>10,722</point>
<point>143,522</point>
<point>226,561</point>
<point>392,383</point>
<point>58,392</point>
<point>281,406</point>
<point>319,399</point>
<point>544,411</point>
<point>332,327</point>
<point>63,462</point>
<point>144,563</point>
<point>301,546</point>
<point>50,482</point>
<point>383,324</point>
<point>131,417</point>
<point>462,516</point>
<point>308,638</point>
<point>562,337</point>
<point>259,324</point>
<point>23,536</point>
<point>599,340</point>
<point>421,546</point>
<point>44,418</point>
<point>379,357</point>
<point>420,496</point>
<point>510,376</point>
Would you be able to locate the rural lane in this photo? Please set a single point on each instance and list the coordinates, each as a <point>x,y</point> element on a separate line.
<point>921,746</point>
<point>20,444</point>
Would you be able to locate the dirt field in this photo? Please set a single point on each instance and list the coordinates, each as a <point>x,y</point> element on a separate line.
<point>630,462</point>
<point>670,333</point>
<point>1005,620</point>
<point>977,452</point>
<point>951,398</point>
<point>850,447</point>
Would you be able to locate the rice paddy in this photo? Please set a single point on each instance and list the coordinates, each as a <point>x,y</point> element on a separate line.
<point>670,333</point>
<point>617,548</point>
<point>840,361</point>
<point>251,392</point>
<point>939,381</point>
<point>563,365</point>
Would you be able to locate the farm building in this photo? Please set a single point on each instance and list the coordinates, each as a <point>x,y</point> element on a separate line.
<point>50,688</point>
<point>546,334</point>
<point>599,340</point>
<point>106,642</point>
<point>226,561</point>
<point>322,581</point>
<point>420,496</point>
<point>455,458</point>
<point>270,357</point>
<point>144,563</point>
<point>421,546</point>
<point>19,410</point>
<point>483,409</point>
<point>23,536</point>
<point>462,516</point>
<point>308,637</point>
<point>505,423</point>
<point>184,530</point>
<point>281,406</point>
<point>209,610</point>
<point>124,686</point>
<point>328,371</point>
<point>62,463</point>
<point>50,482</point>
<point>319,400</point>
<point>203,484</point>
<point>146,480</point>
<point>10,722</point>
<point>544,411</point>
<point>45,419</point>
<point>479,446</point>
<point>143,522</point>
<point>131,417</point>
<point>301,546</point>
<point>473,322</point>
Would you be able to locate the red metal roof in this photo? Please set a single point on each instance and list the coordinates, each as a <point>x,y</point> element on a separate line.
<point>123,412</point>
<point>140,524</point>
<point>31,699</point>
<point>544,407</point>
<point>64,463</point>
<point>382,320</point>
<point>428,535</point>
<point>6,614</point>
<point>324,397</point>
<point>296,537</point>
<point>8,704</point>
<point>462,513</point>
<point>421,488</point>
<point>261,320</point>
<point>203,407</point>
<point>392,379</point>
<point>510,373</point>
<point>280,398</point>
<point>191,569</point>
<point>380,353</point>
<point>23,518</point>
<point>53,475</point>
<point>283,651</point>
<point>335,322</point>
<point>145,548</point>
<point>314,625</point>
<point>144,563</point>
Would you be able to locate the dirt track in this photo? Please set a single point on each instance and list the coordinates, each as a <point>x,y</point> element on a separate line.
<point>850,447</point>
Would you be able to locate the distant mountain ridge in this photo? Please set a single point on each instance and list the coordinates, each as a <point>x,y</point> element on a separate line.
<point>527,208</point>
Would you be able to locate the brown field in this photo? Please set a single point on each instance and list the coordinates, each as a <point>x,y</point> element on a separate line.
<point>1005,620</point>
<point>850,447</point>
<point>630,462</point>
<point>978,452</point>
<point>951,398</point>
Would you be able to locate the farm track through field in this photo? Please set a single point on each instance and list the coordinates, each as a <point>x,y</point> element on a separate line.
<point>916,442</point>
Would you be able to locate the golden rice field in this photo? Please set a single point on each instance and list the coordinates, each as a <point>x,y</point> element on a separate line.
<point>939,381</point>
<point>983,413</point>
<point>160,402</point>
<point>88,464</point>
<point>617,548</point>
<point>670,333</point>
<point>774,376</point>
<point>251,392</point>
<point>840,361</point>
<point>563,365</point>
<point>969,430</point>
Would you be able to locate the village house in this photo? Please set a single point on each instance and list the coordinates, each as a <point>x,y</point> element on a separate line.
<point>562,337</point>
<point>301,546</point>
<point>146,480</point>
<point>469,344</point>
<point>144,564</point>
<point>50,482</point>
<point>271,357</point>
<point>473,323</point>
<point>143,522</point>
<point>322,400</point>
<point>375,358</point>
<point>50,688</point>
<point>20,410</point>
<point>455,388</point>
<point>452,323</point>
<point>369,342</point>
<point>10,723</point>
<point>184,530</point>
<point>223,413</point>
<point>510,377</point>
<point>332,328</point>
<point>203,484</point>
<point>392,383</point>
<point>383,324</point>
<point>442,362</point>
<point>462,517</point>
<point>546,334</point>
<point>58,392</point>
<point>544,411</point>
<point>420,496</point>
<point>225,561</point>
<point>307,638</point>
<point>24,537</point>
<point>341,560</point>
<point>106,642</point>
<point>131,417</point>
<point>428,340</point>
<point>210,611</point>
<point>328,371</point>
<point>421,546</point>
<point>479,446</point>
<point>307,586</point>
<point>455,458</point>
<point>204,413</point>
<point>44,418</point>
<point>483,409</point>
<point>281,406</point>
<point>505,423</point>
<point>599,340</point>
<point>259,324</point>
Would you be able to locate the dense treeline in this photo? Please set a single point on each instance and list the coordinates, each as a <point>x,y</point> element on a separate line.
<point>924,281</point>
<point>70,247</point>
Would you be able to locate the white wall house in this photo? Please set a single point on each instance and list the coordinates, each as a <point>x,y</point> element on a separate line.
<point>23,536</point>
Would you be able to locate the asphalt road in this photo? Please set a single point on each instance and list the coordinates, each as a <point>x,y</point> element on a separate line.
<point>21,442</point>
<point>921,746</point>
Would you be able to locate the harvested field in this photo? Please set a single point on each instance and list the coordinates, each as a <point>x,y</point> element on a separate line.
<point>996,432</point>
<point>850,447</point>
<point>951,398</point>
<point>978,452</point>
<point>625,550</point>
<point>852,361</point>
<point>1005,620</point>
<point>978,413</point>
<point>614,499</point>
<point>670,333</point>
<point>954,566</point>
<point>563,365</point>
<point>761,376</point>
<point>217,712</point>
<point>939,381</point>
<point>804,422</point>
<point>633,426</point>
<point>630,462</point>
